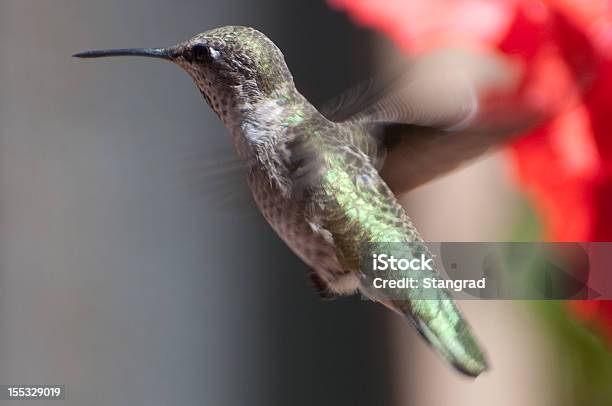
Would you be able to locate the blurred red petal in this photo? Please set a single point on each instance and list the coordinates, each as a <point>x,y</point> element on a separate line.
<point>420,25</point>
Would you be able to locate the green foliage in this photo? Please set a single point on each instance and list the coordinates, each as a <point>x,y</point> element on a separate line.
<point>583,361</point>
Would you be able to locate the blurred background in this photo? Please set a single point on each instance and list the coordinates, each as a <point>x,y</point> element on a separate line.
<point>135,270</point>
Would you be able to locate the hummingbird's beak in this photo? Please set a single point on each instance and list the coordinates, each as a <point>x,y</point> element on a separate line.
<point>163,53</point>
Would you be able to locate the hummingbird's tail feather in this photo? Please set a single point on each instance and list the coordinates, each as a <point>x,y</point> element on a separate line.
<point>449,334</point>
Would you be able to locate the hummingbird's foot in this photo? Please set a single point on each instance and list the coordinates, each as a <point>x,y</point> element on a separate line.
<point>320,287</point>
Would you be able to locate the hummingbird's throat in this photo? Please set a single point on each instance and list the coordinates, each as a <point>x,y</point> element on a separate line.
<point>236,104</point>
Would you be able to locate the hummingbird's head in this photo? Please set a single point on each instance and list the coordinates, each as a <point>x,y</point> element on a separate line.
<point>234,67</point>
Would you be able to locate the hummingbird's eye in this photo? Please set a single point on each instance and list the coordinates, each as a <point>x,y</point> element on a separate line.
<point>201,53</point>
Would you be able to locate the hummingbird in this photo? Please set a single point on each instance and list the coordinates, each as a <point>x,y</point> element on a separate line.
<point>318,176</point>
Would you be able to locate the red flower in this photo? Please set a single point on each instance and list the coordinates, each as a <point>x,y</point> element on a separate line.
<point>565,166</point>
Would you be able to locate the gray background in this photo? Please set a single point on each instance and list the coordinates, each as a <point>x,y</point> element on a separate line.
<point>120,276</point>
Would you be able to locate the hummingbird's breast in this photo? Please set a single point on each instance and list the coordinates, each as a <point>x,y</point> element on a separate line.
<point>281,189</point>
<point>282,150</point>
<point>293,222</point>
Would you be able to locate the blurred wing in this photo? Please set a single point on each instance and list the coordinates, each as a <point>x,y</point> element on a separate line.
<point>444,109</point>
<point>417,155</point>
<point>219,179</point>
